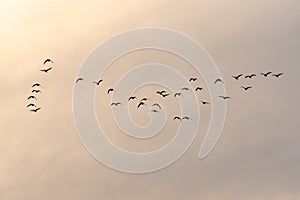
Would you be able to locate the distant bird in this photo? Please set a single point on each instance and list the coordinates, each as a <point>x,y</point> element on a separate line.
<point>116,104</point>
<point>35,110</point>
<point>218,80</point>
<point>187,118</point>
<point>161,92</point>
<point>131,98</point>
<point>36,91</point>
<point>155,111</point>
<point>98,82</point>
<point>177,118</point>
<point>185,88</point>
<point>225,97</point>
<point>47,60</point>
<point>31,97</point>
<point>246,88</point>
<point>250,76</point>
<point>79,79</point>
<point>141,104</point>
<point>266,74</point>
<point>145,99</point>
<point>46,70</point>
<point>237,77</point>
<point>110,90</point>
<point>156,104</point>
<point>177,94</point>
<point>165,95</point>
<point>193,79</point>
<point>31,104</point>
<point>36,85</point>
<point>198,88</point>
<point>204,102</point>
<point>277,75</point>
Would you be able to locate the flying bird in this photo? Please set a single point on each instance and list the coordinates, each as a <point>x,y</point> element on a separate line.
<point>225,97</point>
<point>185,88</point>
<point>110,90</point>
<point>266,74</point>
<point>198,88</point>
<point>218,80</point>
<point>246,88</point>
<point>35,110</point>
<point>177,118</point>
<point>36,91</point>
<point>98,82</point>
<point>79,79</point>
<point>192,79</point>
<point>277,75</point>
<point>250,76</point>
<point>116,104</point>
<point>141,104</point>
<point>237,77</point>
<point>131,98</point>
<point>36,85</point>
<point>187,118</point>
<point>161,92</point>
<point>31,104</point>
<point>47,60</point>
<point>177,94</point>
<point>145,99</point>
<point>165,95</point>
<point>156,104</point>
<point>31,97</point>
<point>46,70</point>
<point>155,111</point>
<point>204,102</point>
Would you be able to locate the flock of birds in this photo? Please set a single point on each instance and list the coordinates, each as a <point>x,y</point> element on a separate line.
<point>156,106</point>
<point>36,89</point>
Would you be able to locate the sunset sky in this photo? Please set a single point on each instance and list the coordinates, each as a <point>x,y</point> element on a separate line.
<point>257,156</point>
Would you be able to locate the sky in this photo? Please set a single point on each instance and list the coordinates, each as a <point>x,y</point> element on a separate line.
<point>257,156</point>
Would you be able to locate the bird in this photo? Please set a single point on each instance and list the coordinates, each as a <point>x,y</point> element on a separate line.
<point>192,79</point>
<point>185,88</point>
<point>177,94</point>
<point>35,110</point>
<point>187,118</point>
<point>204,102</point>
<point>36,85</point>
<point>237,77</point>
<point>219,80</point>
<point>246,88</point>
<point>31,104</point>
<point>141,104</point>
<point>131,98</point>
<point>177,118</point>
<point>98,82</point>
<point>31,97</point>
<point>156,104</point>
<point>277,75</point>
<point>110,90</point>
<point>250,76</point>
<point>165,95</point>
<point>79,79</point>
<point>46,70</point>
<point>36,91</point>
<point>225,97</point>
<point>161,92</point>
<point>116,104</point>
<point>144,99</point>
<point>47,60</point>
<point>265,74</point>
<point>155,111</point>
<point>198,88</point>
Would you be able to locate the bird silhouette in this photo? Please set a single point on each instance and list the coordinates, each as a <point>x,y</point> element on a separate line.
<point>165,95</point>
<point>110,90</point>
<point>192,79</point>
<point>116,104</point>
<point>246,88</point>
<point>36,85</point>
<point>187,118</point>
<point>177,94</point>
<point>156,104</point>
<point>145,99</point>
<point>185,88</point>
<point>225,97</point>
<point>161,92</point>
<point>131,98</point>
<point>237,77</point>
<point>98,82</point>
<point>36,91</point>
<point>31,97</point>
<point>218,80</point>
<point>31,104</point>
<point>277,75</point>
<point>155,111</point>
<point>46,70</point>
<point>266,74</point>
<point>204,102</point>
<point>79,79</point>
<point>141,104</point>
<point>35,110</point>
<point>250,76</point>
<point>47,60</point>
<point>198,88</point>
<point>177,118</point>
